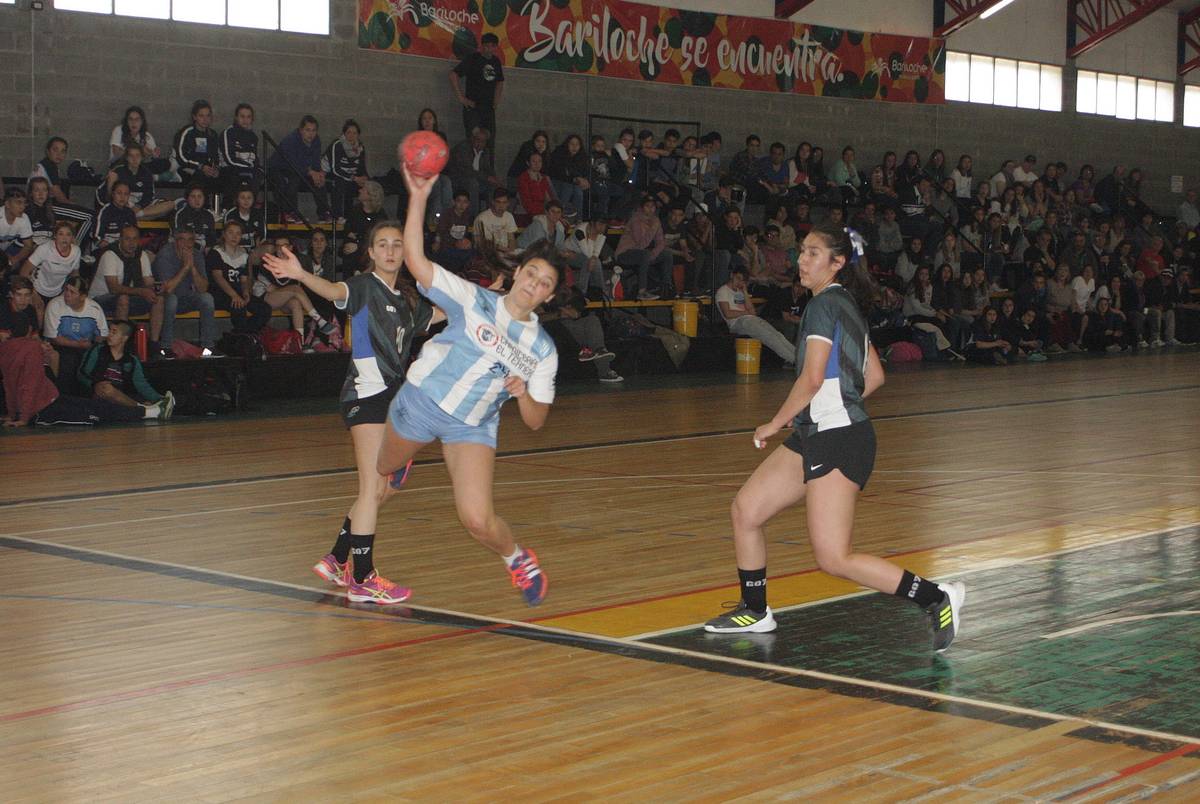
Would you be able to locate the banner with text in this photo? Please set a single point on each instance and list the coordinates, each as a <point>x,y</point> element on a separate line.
<point>648,43</point>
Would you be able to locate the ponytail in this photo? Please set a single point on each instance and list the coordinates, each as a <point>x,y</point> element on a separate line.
<point>853,275</point>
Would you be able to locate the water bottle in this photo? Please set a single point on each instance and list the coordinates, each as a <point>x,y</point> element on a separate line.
<point>140,345</point>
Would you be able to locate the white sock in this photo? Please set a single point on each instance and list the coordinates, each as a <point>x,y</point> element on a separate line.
<point>151,411</point>
<point>315,316</point>
<point>510,560</point>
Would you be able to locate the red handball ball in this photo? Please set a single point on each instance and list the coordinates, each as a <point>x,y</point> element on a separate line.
<point>425,153</point>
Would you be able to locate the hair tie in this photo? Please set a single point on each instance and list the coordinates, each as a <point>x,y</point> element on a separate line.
<point>858,245</point>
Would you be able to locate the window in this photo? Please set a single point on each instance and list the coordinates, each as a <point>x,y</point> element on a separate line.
<point>297,16</point>
<point>1003,82</point>
<point>1191,106</point>
<point>1124,96</point>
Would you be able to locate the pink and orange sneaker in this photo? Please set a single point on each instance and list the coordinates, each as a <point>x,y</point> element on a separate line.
<point>378,590</point>
<point>527,576</point>
<point>337,574</point>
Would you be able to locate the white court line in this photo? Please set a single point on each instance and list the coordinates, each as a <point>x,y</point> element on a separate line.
<point>994,564</point>
<point>1079,629</point>
<point>708,657</point>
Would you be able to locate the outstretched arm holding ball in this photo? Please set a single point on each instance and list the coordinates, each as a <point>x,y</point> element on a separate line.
<point>418,264</point>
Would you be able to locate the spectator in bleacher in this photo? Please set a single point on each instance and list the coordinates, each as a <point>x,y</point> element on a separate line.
<point>282,293</point>
<point>318,260</point>
<point>72,323</point>
<point>50,168</point>
<point>793,311</point>
<point>194,213</point>
<point>1176,302</point>
<point>743,168</point>
<point>1039,257</point>
<point>668,150</point>
<point>40,211</point>
<point>1145,231</point>
<point>675,242</point>
<point>1103,329</point>
<point>568,171</point>
<point>228,266</point>
<point>642,248</point>
<point>134,131</point>
<point>124,283</point>
<point>112,373</point>
<point>890,170</point>
<point>943,208</point>
<point>427,120</point>
<point>908,171</point>
<point>114,216</point>
<point>918,300</point>
<point>1085,188</point>
<point>471,168</point>
<point>359,222</point>
<point>949,253</point>
<point>16,232</point>
<point>296,165</point>
<point>800,183</point>
<point>780,216</point>
<point>982,199</point>
<point>1188,213</point>
<point>602,177</point>
<point>484,75</point>
<point>1109,189</point>
<point>1059,298</point>
<point>772,173</point>
<point>455,230</point>
<point>538,142</point>
<point>739,314</point>
<point>18,317</point>
<point>964,179</point>
<point>973,294</point>
<point>1026,172</point>
<point>1083,298</point>
<point>889,240</point>
<point>1051,181</point>
<point>912,260</point>
<point>52,262</point>
<point>496,224</point>
<point>198,150</point>
<point>989,345</point>
<point>180,268</point>
<point>625,162</point>
<point>547,226</point>
<point>1151,262</point>
<point>1078,255</point>
<point>845,176</point>
<point>711,168</point>
<point>948,304</point>
<point>878,190</point>
<point>1003,178</point>
<point>728,242</point>
<point>590,256</point>
<point>249,217</point>
<point>140,181</point>
<point>345,164</point>
<point>568,311</point>
<point>239,154</point>
<point>935,167</point>
<point>915,206</point>
<point>533,186</point>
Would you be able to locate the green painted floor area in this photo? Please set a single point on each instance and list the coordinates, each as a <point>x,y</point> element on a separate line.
<point>1141,673</point>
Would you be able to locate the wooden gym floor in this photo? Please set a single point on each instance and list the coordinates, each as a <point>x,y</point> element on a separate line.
<point>164,639</point>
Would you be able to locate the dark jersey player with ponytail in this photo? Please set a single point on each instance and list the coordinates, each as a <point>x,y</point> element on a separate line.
<point>829,456</point>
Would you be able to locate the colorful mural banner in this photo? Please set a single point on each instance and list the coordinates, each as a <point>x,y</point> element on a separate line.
<point>648,43</point>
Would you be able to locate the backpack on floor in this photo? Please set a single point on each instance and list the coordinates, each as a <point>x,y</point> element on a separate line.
<point>927,343</point>
<point>905,352</point>
<point>243,345</point>
<point>211,392</point>
<point>281,341</point>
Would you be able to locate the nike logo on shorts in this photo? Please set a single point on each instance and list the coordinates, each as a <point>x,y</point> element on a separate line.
<point>815,468</point>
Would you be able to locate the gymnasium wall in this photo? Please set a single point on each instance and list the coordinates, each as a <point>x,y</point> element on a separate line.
<point>73,74</point>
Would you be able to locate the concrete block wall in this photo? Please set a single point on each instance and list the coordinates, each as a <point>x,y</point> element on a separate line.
<point>73,74</point>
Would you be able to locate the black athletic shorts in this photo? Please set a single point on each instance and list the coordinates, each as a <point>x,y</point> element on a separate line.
<point>371,410</point>
<point>850,449</point>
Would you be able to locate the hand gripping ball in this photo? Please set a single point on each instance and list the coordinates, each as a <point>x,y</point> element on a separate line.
<point>425,153</point>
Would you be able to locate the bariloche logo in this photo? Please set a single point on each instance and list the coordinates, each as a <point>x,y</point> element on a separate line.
<point>487,336</point>
<point>446,18</point>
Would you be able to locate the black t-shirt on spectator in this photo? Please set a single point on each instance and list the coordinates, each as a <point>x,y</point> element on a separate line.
<point>215,261</point>
<point>481,74</point>
<point>17,323</point>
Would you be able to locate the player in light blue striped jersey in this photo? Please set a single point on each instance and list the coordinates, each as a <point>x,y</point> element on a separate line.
<point>492,350</point>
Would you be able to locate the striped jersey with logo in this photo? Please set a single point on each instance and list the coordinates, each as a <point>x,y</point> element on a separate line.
<point>464,367</point>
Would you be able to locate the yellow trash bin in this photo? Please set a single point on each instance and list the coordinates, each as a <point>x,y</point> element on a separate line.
<point>749,352</point>
<point>685,315</point>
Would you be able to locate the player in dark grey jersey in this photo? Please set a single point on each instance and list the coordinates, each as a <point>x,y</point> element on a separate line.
<point>385,313</point>
<point>829,456</point>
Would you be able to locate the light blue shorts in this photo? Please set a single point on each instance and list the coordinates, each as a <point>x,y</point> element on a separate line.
<point>416,417</point>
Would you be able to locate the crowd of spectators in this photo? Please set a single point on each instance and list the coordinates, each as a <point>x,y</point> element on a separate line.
<point>1020,262</point>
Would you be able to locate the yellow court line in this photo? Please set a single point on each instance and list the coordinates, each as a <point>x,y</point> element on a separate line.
<point>691,608</point>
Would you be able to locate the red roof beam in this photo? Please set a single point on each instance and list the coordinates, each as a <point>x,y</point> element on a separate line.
<point>1189,41</point>
<point>784,9</point>
<point>965,12</point>
<point>1101,19</point>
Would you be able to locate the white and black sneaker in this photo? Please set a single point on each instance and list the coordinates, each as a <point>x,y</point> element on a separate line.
<point>944,615</point>
<point>742,620</point>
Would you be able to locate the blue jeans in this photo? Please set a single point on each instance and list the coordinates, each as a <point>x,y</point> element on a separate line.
<point>640,259</point>
<point>568,192</point>
<point>186,303</point>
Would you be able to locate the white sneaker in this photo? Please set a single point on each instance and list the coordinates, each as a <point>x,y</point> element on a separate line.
<point>645,295</point>
<point>612,376</point>
<point>1173,342</point>
<point>1156,344</point>
<point>1143,345</point>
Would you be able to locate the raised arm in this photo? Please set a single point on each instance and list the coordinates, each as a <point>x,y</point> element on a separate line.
<point>417,263</point>
<point>286,266</point>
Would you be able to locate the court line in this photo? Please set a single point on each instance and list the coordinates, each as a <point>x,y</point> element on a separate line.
<point>1079,629</point>
<point>1125,773</point>
<point>647,440</point>
<point>171,604</point>
<point>532,631</point>
<point>991,566</point>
